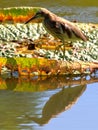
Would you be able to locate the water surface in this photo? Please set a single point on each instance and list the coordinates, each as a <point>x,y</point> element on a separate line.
<point>52,103</point>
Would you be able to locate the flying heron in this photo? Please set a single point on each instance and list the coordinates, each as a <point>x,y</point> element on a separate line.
<point>59,27</point>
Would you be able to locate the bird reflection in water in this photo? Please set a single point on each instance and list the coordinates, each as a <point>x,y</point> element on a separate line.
<point>59,102</point>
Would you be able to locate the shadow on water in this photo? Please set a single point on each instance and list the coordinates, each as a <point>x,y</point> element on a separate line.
<point>43,83</point>
<point>26,101</point>
<point>11,83</point>
<point>59,102</point>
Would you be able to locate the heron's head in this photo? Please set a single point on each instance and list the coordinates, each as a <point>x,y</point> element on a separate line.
<point>41,13</point>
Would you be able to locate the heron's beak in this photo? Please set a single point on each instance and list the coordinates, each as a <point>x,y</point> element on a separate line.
<point>31,19</point>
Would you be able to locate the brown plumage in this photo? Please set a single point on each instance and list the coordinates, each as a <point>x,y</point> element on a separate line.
<point>59,27</point>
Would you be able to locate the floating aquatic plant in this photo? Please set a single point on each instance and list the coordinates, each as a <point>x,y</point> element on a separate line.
<point>15,39</point>
<point>84,51</point>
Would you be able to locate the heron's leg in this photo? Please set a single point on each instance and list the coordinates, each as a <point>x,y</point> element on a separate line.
<point>59,47</point>
<point>63,43</point>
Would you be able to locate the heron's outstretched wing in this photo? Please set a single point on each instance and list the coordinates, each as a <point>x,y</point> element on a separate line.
<point>70,29</point>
